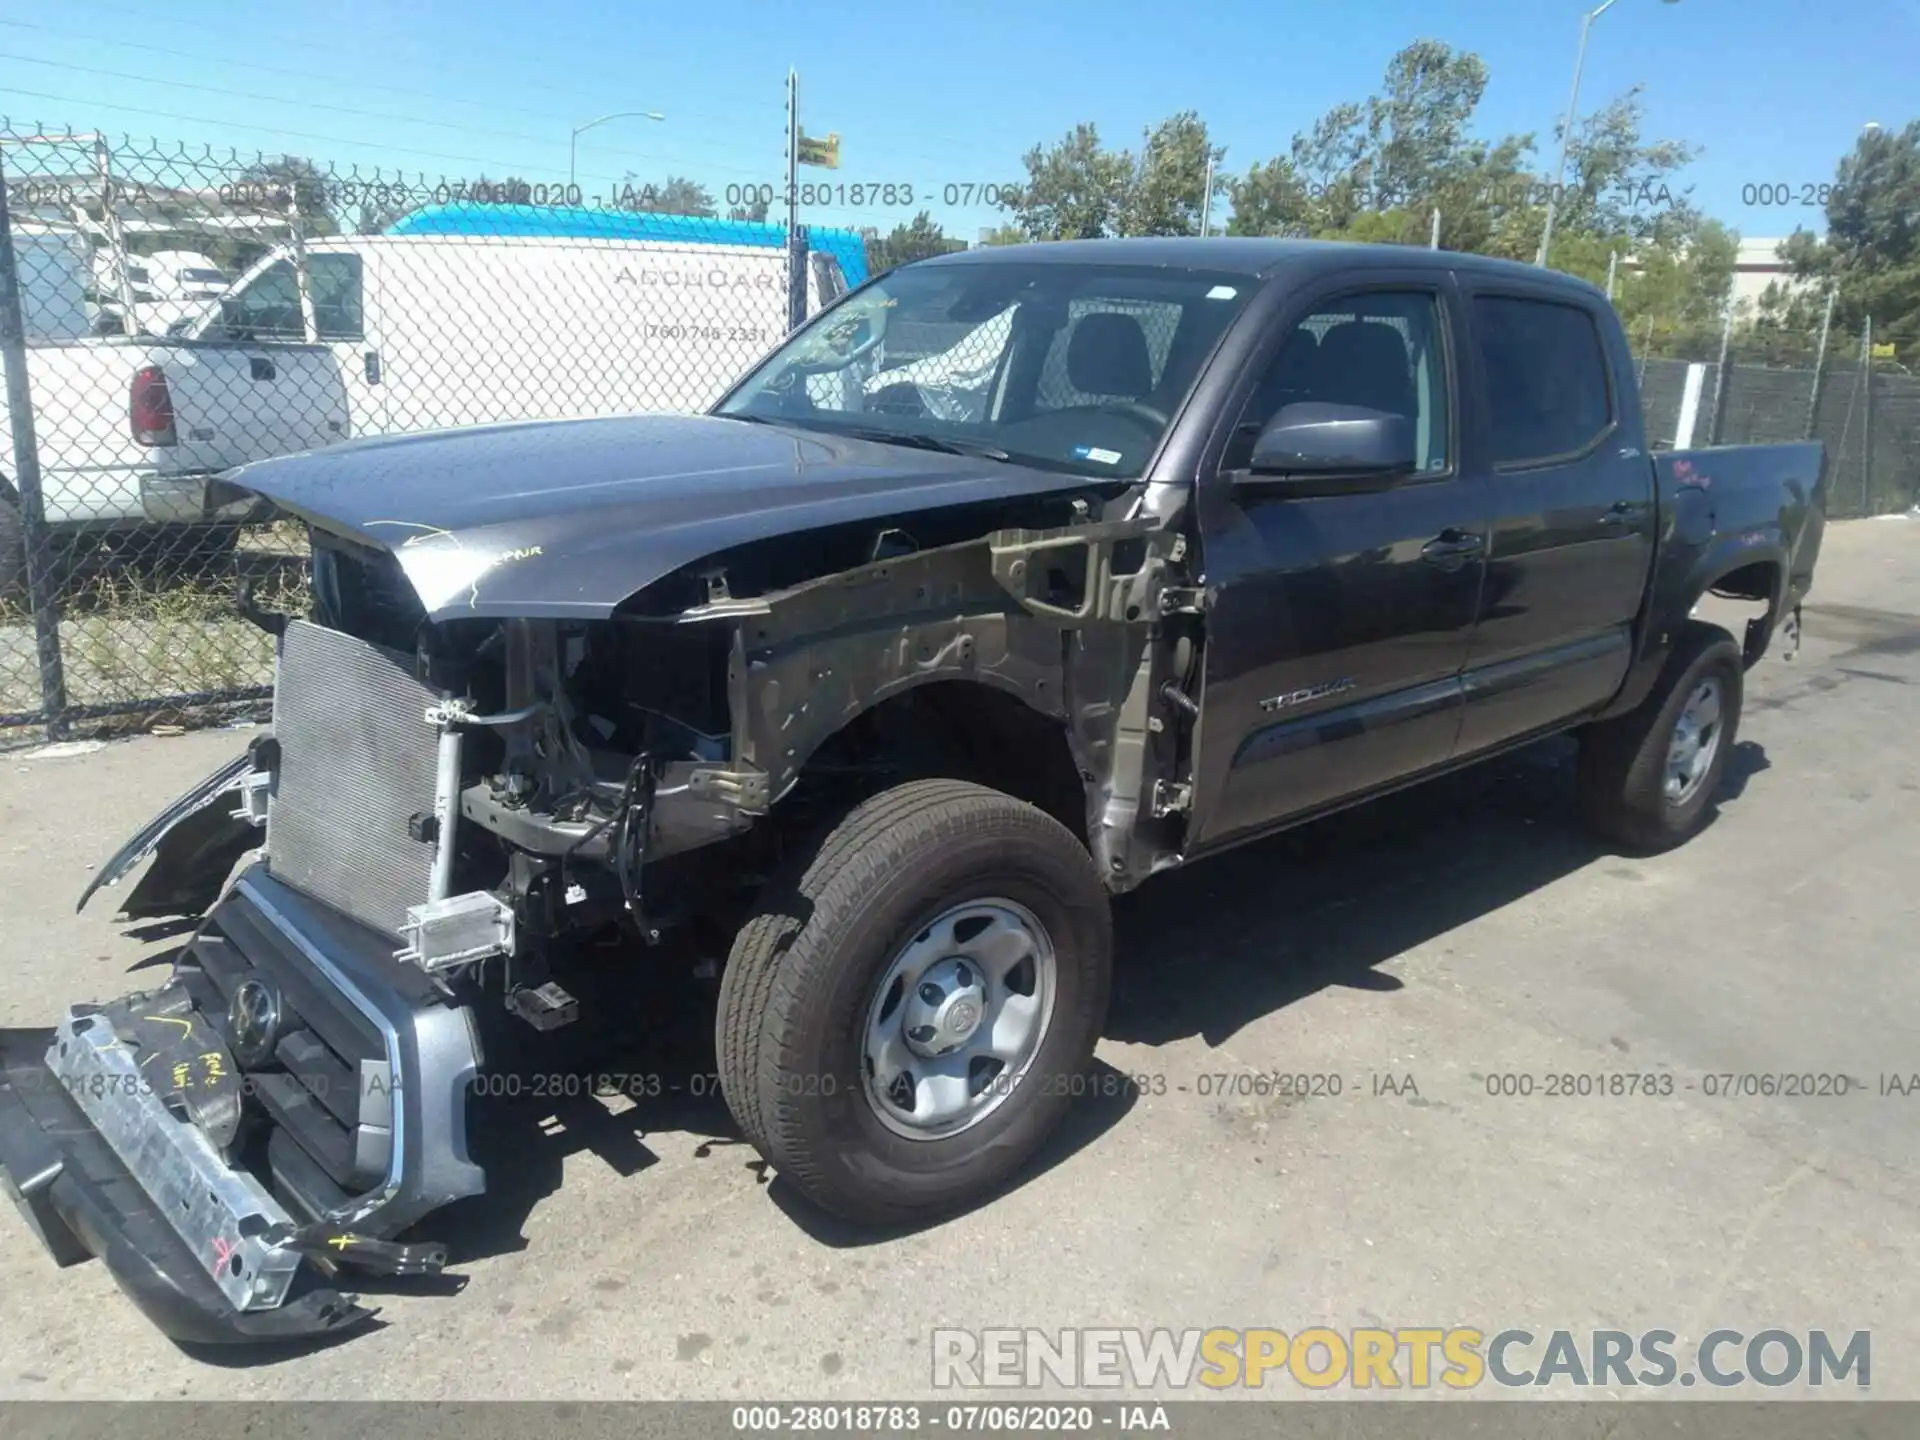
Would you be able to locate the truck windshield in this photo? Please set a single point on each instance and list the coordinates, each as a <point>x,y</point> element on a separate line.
<point>1063,366</point>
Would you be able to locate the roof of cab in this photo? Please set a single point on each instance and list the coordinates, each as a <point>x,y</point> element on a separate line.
<point>1251,255</point>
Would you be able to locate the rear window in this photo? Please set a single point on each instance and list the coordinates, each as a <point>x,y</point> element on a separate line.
<point>1546,378</point>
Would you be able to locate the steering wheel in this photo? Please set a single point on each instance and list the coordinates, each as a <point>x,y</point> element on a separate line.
<point>1139,412</point>
<point>902,397</point>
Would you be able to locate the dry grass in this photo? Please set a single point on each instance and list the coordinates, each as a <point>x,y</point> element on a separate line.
<point>132,632</point>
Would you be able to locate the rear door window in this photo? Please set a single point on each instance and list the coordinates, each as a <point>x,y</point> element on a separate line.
<point>1545,372</point>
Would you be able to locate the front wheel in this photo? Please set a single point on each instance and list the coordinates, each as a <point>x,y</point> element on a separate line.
<point>1648,778</point>
<point>901,1024</point>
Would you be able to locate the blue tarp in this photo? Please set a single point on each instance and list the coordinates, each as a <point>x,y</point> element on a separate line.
<point>586,223</point>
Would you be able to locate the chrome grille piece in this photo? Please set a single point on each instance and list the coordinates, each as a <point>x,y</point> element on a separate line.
<point>356,763</point>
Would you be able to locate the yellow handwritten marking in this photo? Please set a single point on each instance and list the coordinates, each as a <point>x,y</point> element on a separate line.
<point>186,1025</point>
<point>340,1242</point>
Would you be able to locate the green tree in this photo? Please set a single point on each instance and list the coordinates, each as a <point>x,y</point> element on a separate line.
<point>914,241</point>
<point>756,211</point>
<point>1377,169</point>
<point>1075,190</point>
<point>1167,186</point>
<point>1270,199</point>
<point>1004,235</point>
<point>676,195</point>
<point>1417,137</point>
<point>1870,256</point>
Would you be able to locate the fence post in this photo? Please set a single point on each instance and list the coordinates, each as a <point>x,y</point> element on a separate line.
<point>1866,439</point>
<point>1820,366</point>
<point>41,576</point>
<point>1723,372</point>
<point>796,277</point>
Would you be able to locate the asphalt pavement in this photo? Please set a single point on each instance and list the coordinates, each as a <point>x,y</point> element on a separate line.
<point>1426,951</point>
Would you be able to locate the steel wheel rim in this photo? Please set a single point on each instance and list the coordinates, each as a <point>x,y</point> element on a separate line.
<point>957,1018</point>
<point>1695,742</point>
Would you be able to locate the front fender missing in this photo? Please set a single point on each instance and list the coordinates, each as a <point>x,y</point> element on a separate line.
<point>1059,619</point>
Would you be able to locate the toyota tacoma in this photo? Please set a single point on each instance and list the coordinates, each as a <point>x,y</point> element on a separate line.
<point>1012,579</point>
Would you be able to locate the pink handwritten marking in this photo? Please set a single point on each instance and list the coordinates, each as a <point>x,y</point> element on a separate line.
<point>223,1251</point>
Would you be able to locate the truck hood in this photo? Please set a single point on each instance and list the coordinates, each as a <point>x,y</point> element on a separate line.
<point>568,518</point>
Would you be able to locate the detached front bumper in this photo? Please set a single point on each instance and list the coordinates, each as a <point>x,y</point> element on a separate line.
<point>81,1200</point>
<point>205,1157</point>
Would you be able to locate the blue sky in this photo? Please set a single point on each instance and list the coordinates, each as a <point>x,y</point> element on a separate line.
<point>931,95</point>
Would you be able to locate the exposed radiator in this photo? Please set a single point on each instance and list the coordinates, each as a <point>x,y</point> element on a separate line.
<point>356,764</point>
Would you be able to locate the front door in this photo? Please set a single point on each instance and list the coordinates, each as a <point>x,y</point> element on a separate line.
<point>1339,619</point>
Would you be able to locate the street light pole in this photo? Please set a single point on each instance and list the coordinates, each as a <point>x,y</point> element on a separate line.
<point>573,141</point>
<point>1566,126</point>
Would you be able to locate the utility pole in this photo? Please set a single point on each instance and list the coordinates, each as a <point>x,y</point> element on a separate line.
<point>1206,196</point>
<point>796,241</point>
<point>1566,126</point>
<point>1433,238</point>
<point>1613,267</point>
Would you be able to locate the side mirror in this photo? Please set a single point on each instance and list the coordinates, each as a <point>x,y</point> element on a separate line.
<point>1312,439</point>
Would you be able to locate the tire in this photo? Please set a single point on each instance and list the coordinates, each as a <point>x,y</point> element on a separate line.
<point>801,997</point>
<point>13,554</point>
<point>1627,791</point>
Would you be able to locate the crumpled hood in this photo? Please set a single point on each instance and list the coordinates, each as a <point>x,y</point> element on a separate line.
<point>568,518</point>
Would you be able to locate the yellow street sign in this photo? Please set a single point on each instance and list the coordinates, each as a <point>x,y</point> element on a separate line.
<point>1885,352</point>
<point>823,153</point>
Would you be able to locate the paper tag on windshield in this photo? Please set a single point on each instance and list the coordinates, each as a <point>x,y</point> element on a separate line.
<point>1096,454</point>
<point>1222,292</point>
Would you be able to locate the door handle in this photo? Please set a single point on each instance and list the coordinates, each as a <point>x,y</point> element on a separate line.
<point>1451,549</point>
<point>1617,513</point>
<point>371,362</point>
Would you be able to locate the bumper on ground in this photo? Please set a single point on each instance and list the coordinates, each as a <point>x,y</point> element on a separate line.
<point>81,1201</point>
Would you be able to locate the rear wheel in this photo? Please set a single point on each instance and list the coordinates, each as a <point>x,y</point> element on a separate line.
<point>899,1023</point>
<point>1648,778</point>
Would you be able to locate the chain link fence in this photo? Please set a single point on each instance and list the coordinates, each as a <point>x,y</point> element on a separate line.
<point>1762,390</point>
<point>171,312</point>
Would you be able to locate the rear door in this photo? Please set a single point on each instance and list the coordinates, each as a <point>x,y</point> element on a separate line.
<point>1338,620</point>
<point>1569,512</point>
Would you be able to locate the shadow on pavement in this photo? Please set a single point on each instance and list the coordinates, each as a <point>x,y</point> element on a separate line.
<point>1207,950</point>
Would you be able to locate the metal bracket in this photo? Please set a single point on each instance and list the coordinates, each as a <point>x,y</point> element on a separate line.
<point>1184,600</point>
<point>750,791</point>
<point>252,793</point>
<point>1171,797</point>
<point>458,930</point>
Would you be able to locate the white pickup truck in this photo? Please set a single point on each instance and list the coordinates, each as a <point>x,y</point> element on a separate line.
<point>131,431</point>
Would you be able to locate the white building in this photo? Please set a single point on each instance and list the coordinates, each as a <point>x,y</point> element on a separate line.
<point>1756,266</point>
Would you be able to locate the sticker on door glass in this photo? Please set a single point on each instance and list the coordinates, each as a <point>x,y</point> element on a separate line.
<point>1097,455</point>
<point>1222,292</point>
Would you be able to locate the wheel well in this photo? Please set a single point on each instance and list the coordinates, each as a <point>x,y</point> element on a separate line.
<point>956,729</point>
<point>1758,581</point>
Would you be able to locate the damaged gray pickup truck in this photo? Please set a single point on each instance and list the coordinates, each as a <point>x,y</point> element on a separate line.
<point>1014,578</point>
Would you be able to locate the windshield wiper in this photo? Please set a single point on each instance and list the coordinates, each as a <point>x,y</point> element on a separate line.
<point>977,448</point>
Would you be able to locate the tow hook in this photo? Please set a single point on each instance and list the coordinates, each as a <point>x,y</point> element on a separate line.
<point>332,1246</point>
